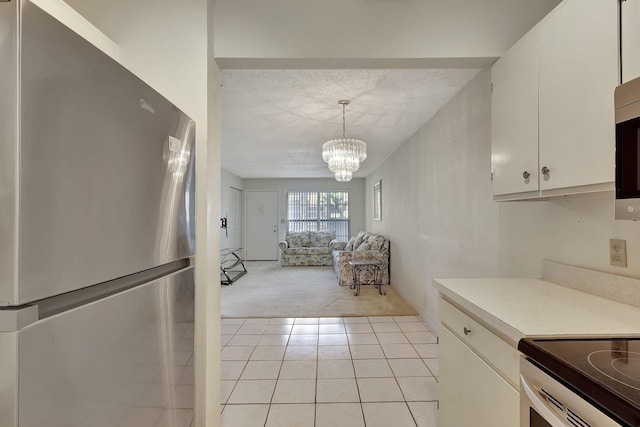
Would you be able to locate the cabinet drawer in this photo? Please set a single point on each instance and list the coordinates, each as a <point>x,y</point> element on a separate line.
<point>493,350</point>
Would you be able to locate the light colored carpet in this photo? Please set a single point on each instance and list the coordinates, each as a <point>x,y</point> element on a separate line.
<point>269,290</point>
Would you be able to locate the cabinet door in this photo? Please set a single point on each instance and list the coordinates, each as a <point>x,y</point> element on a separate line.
<point>514,119</point>
<point>471,392</point>
<point>578,72</point>
<point>630,42</point>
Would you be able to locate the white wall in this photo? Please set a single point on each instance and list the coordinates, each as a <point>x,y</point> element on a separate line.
<point>438,213</point>
<point>355,188</point>
<point>166,44</point>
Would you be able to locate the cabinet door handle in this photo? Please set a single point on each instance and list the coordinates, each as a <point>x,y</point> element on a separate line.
<point>526,175</point>
<point>545,170</point>
<point>466,330</point>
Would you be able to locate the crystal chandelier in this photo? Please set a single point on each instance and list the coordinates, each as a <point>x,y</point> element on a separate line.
<point>344,154</point>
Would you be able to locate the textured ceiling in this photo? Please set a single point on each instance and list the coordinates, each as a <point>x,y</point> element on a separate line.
<point>274,122</point>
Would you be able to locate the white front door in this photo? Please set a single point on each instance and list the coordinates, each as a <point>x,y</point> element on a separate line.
<point>234,222</point>
<point>262,226</point>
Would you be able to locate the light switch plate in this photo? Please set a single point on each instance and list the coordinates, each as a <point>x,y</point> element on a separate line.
<point>618,252</point>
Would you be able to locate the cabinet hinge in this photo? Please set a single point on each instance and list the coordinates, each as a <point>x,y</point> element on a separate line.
<point>492,88</point>
<point>491,176</point>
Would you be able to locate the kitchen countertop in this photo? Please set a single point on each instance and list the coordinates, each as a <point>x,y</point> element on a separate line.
<point>518,308</point>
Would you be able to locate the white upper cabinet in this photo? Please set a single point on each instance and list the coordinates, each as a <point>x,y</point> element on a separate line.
<point>630,43</point>
<point>578,73</point>
<point>514,119</point>
<point>576,68</point>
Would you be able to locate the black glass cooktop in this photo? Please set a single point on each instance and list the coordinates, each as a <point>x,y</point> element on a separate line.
<point>605,372</point>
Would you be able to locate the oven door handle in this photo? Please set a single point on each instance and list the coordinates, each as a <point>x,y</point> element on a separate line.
<point>540,406</point>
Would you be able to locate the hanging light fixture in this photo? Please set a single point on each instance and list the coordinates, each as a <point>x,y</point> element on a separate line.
<point>344,154</point>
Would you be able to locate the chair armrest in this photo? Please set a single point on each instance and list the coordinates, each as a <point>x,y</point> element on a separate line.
<point>337,246</point>
<point>283,245</point>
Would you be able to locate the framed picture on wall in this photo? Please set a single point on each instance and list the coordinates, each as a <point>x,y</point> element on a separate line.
<point>377,201</point>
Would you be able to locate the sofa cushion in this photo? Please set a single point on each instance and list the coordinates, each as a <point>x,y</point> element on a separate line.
<point>350,243</point>
<point>376,242</point>
<point>298,239</point>
<point>309,251</point>
<point>358,241</point>
<point>365,246</point>
<point>321,238</point>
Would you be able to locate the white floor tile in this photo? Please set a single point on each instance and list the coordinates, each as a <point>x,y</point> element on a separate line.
<point>339,415</point>
<point>358,328</point>
<point>226,387</point>
<point>257,322</point>
<point>282,321</point>
<point>303,340</point>
<point>418,389</point>
<point>244,340</point>
<point>251,329</point>
<point>268,352</point>
<point>381,319</point>
<point>333,352</point>
<point>413,327</point>
<point>421,337</point>
<point>252,391</point>
<point>261,370</point>
<point>301,352</point>
<point>244,415</point>
<point>306,321</point>
<point>236,353</point>
<point>403,319</point>
<point>298,415</point>
<point>274,340</point>
<point>372,368</point>
<point>379,390</point>
<point>278,329</point>
<point>298,370</point>
<point>425,413</point>
<point>433,365</point>
<point>364,338</point>
<point>229,329</point>
<point>142,417</point>
<point>392,338</point>
<point>385,327</point>
<point>337,390</point>
<point>182,397</point>
<point>409,368</point>
<point>399,351</point>
<point>427,351</point>
<point>295,391</point>
<point>332,339</point>
<point>231,369</point>
<point>224,339</point>
<point>332,329</point>
<point>156,396</point>
<point>387,414</point>
<point>366,351</point>
<point>330,320</point>
<point>356,320</point>
<point>226,322</point>
<point>335,369</point>
<point>304,329</point>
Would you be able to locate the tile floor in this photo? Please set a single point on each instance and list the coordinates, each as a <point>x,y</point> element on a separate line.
<point>329,372</point>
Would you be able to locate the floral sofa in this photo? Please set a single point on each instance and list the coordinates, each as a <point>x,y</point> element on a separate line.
<point>364,246</point>
<point>307,248</point>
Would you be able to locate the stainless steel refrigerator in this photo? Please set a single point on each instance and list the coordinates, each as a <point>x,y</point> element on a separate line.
<point>96,236</point>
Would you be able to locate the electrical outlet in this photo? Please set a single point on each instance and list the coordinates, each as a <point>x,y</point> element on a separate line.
<point>618,252</point>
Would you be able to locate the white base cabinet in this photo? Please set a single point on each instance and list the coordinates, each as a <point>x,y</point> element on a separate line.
<point>478,374</point>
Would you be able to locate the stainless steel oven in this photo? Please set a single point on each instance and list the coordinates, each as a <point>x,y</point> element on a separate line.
<point>627,104</point>
<point>545,402</point>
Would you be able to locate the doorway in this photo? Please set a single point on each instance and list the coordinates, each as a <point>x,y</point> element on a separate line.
<point>262,226</point>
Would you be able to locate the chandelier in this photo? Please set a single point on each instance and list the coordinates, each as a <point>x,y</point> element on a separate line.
<point>344,154</point>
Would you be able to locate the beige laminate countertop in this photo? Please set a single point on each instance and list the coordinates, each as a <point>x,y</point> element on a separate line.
<point>518,308</point>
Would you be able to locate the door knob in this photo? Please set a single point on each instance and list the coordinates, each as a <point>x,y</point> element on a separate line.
<point>545,170</point>
<point>526,175</point>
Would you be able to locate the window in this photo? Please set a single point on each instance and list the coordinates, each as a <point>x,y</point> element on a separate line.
<point>319,211</point>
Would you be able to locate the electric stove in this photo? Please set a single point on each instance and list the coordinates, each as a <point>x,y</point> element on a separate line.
<point>605,372</point>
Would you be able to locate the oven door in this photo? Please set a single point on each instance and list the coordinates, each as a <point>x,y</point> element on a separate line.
<point>544,402</point>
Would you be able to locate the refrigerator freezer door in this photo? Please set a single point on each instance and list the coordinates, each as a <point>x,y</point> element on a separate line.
<point>123,360</point>
<point>105,184</point>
